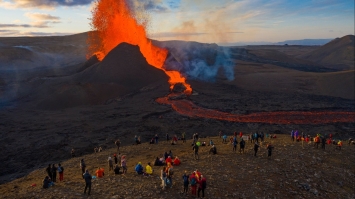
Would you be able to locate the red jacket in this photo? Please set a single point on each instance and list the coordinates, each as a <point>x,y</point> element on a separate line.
<point>200,182</point>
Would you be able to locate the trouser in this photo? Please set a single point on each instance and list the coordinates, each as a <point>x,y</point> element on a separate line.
<point>156,141</point>
<point>292,138</point>
<point>323,146</point>
<point>186,187</point>
<point>269,154</point>
<point>61,176</point>
<point>196,156</point>
<point>255,151</point>
<point>234,148</point>
<point>241,149</point>
<point>203,192</point>
<point>87,185</point>
<point>54,177</point>
<point>193,190</point>
<point>183,140</point>
<point>163,183</point>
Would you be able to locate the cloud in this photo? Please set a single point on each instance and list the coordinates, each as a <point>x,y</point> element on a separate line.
<point>176,34</point>
<point>148,5</point>
<point>18,33</point>
<point>42,4</point>
<point>38,25</point>
<point>42,20</point>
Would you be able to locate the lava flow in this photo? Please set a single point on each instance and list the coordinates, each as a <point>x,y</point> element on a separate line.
<point>188,108</point>
<point>113,23</point>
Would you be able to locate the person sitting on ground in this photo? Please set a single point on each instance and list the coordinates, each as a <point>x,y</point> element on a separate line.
<point>162,160</point>
<point>211,143</point>
<point>350,141</point>
<point>148,169</point>
<point>177,161</point>
<point>158,162</point>
<point>139,168</point>
<point>46,182</point>
<point>203,144</point>
<point>339,145</point>
<point>100,172</point>
<point>117,170</point>
<point>213,150</point>
<point>168,160</point>
<point>152,141</point>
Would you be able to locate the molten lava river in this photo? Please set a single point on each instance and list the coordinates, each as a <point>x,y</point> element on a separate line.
<point>113,22</point>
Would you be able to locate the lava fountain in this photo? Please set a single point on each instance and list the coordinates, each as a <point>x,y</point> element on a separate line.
<point>113,23</point>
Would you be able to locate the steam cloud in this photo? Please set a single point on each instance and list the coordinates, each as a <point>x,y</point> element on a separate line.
<point>199,61</point>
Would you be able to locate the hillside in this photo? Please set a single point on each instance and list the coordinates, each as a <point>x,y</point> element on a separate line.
<point>338,53</point>
<point>292,170</point>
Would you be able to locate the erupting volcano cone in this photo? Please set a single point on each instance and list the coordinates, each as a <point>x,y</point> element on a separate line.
<point>114,23</point>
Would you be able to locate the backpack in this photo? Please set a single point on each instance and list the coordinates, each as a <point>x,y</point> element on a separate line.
<point>193,182</point>
<point>171,171</point>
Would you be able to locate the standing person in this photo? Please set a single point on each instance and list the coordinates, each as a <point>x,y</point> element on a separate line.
<point>196,136</point>
<point>110,164</point>
<point>45,182</point>
<point>87,177</point>
<point>183,137</point>
<point>72,153</point>
<point>117,170</point>
<point>262,136</point>
<point>115,158</point>
<point>124,164</point>
<point>61,172</point>
<point>252,137</point>
<point>269,148</point>
<point>118,144</point>
<point>220,134</point>
<point>235,142</point>
<point>240,134</point>
<point>202,186</point>
<point>224,139</point>
<point>82,166</point>
<point>170,173</point>
<point>163,178</point>
<point>296,134</point>
<point>185,178</point>
<point>292,136</point>
<point>242,145</point>
<point>256,147</point>
<point>49,170</point>
<point>167,137</point>
<point>193,183</point>
<point>235,134</point>
<point>195,148</point>
<point>156,138</point>
<point>54,173</point>
<point>323,143</point>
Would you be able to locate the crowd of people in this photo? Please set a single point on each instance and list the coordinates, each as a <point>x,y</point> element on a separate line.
<point>117,164</point>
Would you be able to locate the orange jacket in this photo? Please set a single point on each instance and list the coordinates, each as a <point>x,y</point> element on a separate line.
<point>100,173</point>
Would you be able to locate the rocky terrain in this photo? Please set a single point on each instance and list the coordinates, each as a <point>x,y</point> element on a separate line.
<point>293,171</point>
<point>46,110</point>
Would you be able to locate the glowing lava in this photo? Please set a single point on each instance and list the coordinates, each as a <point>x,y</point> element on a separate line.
<point>114,23</point>
<point>188,108</point>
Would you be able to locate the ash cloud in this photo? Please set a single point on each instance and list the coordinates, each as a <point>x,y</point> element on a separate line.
<point>205,62</point>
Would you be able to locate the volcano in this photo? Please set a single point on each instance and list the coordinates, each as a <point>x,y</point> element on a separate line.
<point>123,71</point>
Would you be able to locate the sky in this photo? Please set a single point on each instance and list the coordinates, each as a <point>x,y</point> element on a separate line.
<point>209,21</point>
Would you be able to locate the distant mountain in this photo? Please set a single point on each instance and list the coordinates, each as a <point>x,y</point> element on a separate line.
<point>339,53</point>
<point>305,42</point>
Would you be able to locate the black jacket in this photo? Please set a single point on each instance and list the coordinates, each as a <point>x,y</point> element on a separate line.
<point>87,178</point>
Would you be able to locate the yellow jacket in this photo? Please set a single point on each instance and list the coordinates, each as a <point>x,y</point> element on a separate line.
<point>148,169</point>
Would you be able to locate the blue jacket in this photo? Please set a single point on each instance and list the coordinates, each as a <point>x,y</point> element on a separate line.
<point>87,178</point>
<point>139,168</point>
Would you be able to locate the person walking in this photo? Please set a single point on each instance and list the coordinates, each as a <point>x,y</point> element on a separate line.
<point>202,186</point>
<point>54,173</point>
<point>61,172</point>
<point>87,177</point>
<point>256,147</point>
<point>195,148</point>
<point>82,166</point>
<point>185,178</point>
